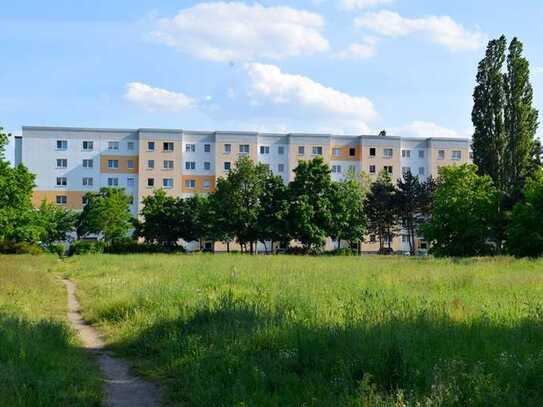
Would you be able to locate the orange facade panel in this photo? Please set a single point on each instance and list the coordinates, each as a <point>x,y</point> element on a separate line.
<point>197,183</point>
<point>346,153</point>
<point>73,199</point>
<point>119,164</point>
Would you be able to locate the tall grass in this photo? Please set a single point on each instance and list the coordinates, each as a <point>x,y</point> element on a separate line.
<point>40,364</point>
<point>274,331</point>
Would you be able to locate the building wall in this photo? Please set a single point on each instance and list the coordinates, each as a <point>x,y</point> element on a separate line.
<point>37,150</point>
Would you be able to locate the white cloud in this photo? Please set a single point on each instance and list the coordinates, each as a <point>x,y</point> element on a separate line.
<point>236,31</point>
<point>361,4</point>
<point>363,50</point>
<point>442,30</point>
<point>156,98</point>
<point>332,108</point>
<point>425,129</point>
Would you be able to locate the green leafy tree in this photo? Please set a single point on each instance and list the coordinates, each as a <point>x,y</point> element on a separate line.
<point>521,121</point>
<point>348,219</point>
<point>106,213</point>
<point>237,200</point>
<point>525,232</point>
<point>413,201</point>
<point>310,213</point>
<point>196,220</point>
<point>273,214</point>
<point>18,220</point>
<point>56,222</point>
<point>381,212</point>
<point>161,219</point>
<point>464,207</point>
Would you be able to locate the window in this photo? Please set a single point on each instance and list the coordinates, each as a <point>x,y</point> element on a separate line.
<point>190,148</point>
<point>62,144</point>
<point>301,150</point>
<point>207,148</point>
<point>84,200</point>
<point>150,164</point>
<point>113,182</point>
<point>372,169</point>
<point>168,164</point>
<point>113,145</point>
<point>207,165</point>
<point>421,153</point>
<point>281,150</point>
<point>88,163</point>
<point>352,169</point>
<point>372,239</point>
<point>130,164</point>
<point>190,183</point>
<point>457,155</point>
<point>441,154</point>
<point>167,183</point>
<point>264,149</point>
<point>405,238</point>
<point>227,148</point>
<point>62,163</point>
<point>130,145</point>
<point>61,182</point>
<point>405,170</point>
<point>406,153</point>
<point>471,155</point>
<point>352,152</point>
<point>190,165</point>
<point>227,165</point>
<point>280,167</point>
<point>131,199</point>
<point>112,163</point>
<point>61,199</point>
<point>206,184</point>
<point>336,169</point>
<point>150,146</point>
<point>167,146</point>
<point>244,148</point>
<point>387,152</point>
<point>388,168</point>
<point>267,166</point>
<point>421,170</point>
<point>88,181</point>
<point>150,182</point>
<point>336,152</point>
<point>88,145</point>
<point>373,152</point>
<point>316,150</point>
<point>130,182</point>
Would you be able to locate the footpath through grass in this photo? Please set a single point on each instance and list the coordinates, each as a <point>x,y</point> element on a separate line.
<point>277,331</point>
<point>40,364</point>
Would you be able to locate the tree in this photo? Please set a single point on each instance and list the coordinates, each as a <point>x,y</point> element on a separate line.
<point>310,213</point>
<point>525,232</point>
<point>106,213</point>
<point>56,222</point>
<point>381,210</point>
<point>413,201</point>
<point>348,219</point>
<point>464,208</point>
<point>162,216</point>
<point>521,121</point>
<point>273,214</point>
<point>237,200</point>
<point>505,122</point>
<point>18,220</point>
<point>196,220</point>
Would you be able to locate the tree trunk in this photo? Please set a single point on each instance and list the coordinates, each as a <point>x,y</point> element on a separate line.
<point>251,249</point>
<point>338,243</point>
<point>228,246</point>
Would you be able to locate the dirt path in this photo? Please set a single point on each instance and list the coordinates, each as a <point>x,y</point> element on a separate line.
<point>123,389</point>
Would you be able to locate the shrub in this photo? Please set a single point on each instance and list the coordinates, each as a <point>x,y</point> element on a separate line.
<point>7,247</point>
<point>131,246</point>
<point>86,247</point>
<point>57,249</point>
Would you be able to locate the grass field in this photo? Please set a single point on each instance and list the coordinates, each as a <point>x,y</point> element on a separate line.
<point>40,364</point>
<point>275,331</point>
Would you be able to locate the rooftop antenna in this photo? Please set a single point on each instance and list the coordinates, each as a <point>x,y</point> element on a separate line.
<point>383,133</point>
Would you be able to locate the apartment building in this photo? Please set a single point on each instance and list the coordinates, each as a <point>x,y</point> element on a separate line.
<point>69,162</point>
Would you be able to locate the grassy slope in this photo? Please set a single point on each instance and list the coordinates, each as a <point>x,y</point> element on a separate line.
<point>39,362</point>
<point>240,330</point>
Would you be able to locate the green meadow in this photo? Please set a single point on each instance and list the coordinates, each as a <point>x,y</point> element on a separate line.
<point>224,330</point>
<point>40,362</point>
<point>239,330</point>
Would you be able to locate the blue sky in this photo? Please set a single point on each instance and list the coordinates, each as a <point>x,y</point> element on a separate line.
<point>347,66</point>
